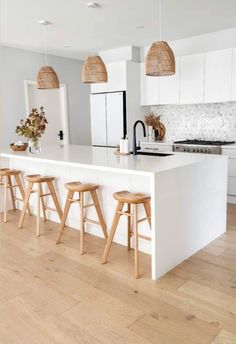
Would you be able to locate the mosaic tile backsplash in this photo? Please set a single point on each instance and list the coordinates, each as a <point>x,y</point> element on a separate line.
<point>202,121</point>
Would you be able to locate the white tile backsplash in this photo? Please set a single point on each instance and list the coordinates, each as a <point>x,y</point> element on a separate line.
<point>203,121</point>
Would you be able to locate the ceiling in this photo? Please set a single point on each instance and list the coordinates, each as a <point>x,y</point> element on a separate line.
<point>112,25</point>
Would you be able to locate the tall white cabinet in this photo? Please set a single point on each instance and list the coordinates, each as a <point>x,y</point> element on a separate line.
<point>107,118</point>
<point>192,79</point>
<point>169,86</point>
<point>218,68</point>
<point>122,76</point>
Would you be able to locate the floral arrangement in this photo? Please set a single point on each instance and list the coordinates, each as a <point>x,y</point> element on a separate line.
<point>34,126</point>
<point>154,121</point>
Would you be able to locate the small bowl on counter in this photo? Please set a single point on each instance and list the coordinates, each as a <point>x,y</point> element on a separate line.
<point>19,147</point>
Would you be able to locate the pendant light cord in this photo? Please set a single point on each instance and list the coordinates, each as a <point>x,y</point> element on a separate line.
<point>45,45</point>
<point>160,21</point>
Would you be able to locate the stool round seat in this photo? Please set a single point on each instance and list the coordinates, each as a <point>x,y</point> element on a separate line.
<point>81,187</point>
<point>131,197</point>
<point>38,178</point>
<point>4,172</point>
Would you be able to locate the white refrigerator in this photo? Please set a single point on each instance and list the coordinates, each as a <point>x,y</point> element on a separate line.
<point>108,118</point>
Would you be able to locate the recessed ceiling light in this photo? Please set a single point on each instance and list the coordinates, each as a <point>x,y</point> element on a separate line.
<point>93,4</point>
<point>139,27</point>
<point>67,46</point>
<point>44,22</point>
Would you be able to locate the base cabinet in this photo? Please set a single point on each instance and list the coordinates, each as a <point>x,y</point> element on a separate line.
<point>231,153</point>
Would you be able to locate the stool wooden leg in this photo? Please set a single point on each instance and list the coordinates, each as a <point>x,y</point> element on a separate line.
<point>81,197</point>
<point>129,228</point>
<point>136,260</point>
<point>22,191</point>
<point>38,210</point>
<point>26,203</point>
<point>5,199</point>
<point>119,208</point>
<point>64,216</point>
<point>99,212</point>
<point>11,192</point>
<point>42,202</point>
<point>55,199</point>
<point>147,208</point>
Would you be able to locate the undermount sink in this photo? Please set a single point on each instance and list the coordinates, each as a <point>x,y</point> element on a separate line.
<point>154,154</point>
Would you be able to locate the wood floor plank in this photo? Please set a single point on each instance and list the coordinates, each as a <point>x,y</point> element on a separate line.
<point>209,295</point>
<point>165,331</point>
<point>224,337</point>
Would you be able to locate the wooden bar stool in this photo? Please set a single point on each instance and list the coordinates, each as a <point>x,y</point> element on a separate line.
<point>6,182</point>
<point>132,200</point>
<point>81,189</point>
<point>39,180</point>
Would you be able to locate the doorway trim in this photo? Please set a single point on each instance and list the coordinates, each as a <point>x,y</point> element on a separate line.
<point>64,102</point>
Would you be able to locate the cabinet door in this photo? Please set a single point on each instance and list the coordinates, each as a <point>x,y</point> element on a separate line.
<point>99,87</point>
<point>98,119</point>
<point>115,120</point>
<point>169,86</point>
<point>192,79</point>
<point>116,76</point>
<point>150,87</point>
<point>218,69</point>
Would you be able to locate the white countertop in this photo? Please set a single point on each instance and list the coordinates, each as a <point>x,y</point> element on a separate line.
<point>104,159</point>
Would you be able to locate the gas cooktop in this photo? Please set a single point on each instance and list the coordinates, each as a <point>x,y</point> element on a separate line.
<point>204,142</point>
<point>200,146</point>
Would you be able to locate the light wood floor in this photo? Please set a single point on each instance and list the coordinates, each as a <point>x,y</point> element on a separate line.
<point>51,294</point>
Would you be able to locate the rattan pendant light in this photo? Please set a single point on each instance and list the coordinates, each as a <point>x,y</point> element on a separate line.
<point>160,59</point>
<point>46,77</point>
<point>94,70</point>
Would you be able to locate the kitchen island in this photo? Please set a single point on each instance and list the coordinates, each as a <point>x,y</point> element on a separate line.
<point>188,194</point>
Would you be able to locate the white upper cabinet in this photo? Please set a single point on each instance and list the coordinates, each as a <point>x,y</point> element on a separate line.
<point>192,79</point>
<point>218,71</point>
<point>169,86</point>
<point>150,89</point>
<point>233,91</point>
<point>116,76</point>
<point>117,80</point>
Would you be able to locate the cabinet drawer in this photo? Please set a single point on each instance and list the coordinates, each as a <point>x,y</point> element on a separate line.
<point>232,186</point>
<point>232,168</point>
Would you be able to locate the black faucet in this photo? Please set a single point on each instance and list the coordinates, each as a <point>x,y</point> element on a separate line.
<point>135,148</point>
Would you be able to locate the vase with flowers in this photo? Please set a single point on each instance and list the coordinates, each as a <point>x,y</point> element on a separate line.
<point>156,129</point>
<point>32,128</point>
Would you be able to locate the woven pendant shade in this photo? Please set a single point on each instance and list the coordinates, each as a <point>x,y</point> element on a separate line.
<point>160,60</point>
<point>94,70</point>
<point>47,78</point>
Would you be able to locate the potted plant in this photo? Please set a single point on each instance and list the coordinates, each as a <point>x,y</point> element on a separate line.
<point>33,127</point>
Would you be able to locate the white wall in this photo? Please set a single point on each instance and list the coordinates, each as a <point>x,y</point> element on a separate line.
<point>18,65</point>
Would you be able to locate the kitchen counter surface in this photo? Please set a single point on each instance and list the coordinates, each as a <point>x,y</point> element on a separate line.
<point>105,159</point>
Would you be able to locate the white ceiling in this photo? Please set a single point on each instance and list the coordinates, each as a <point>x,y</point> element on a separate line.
<point>112,25</point>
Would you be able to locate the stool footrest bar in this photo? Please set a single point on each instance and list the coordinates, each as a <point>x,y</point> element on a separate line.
<point>143,219</point>
<point>126,213</point>
<point>44,195</point>
<point>91,221</point>
<point>89,205</point>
